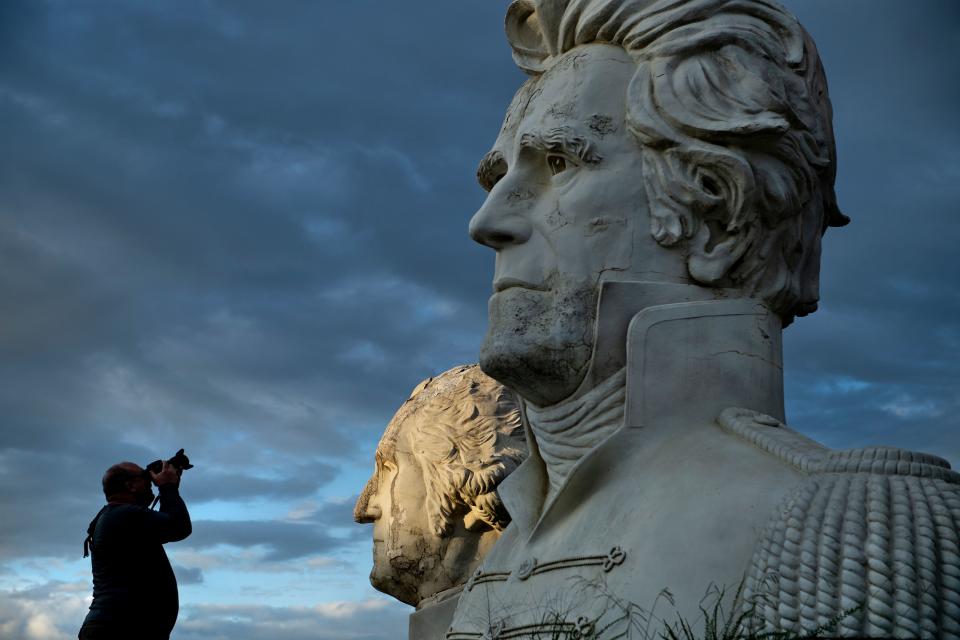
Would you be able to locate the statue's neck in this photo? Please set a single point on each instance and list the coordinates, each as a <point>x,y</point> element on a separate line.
<point>617,304</point>
<point>688,361</point>
<point>567,431</point>
<point>688,351</point>
<point>683,363</point>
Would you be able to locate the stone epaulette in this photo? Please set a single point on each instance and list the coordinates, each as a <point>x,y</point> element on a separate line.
<point>774,437</point>
<point>869,540</point>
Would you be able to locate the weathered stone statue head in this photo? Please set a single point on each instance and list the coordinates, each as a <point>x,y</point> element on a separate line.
<point>432,499</point>
<point>657,198</point>
<point>677,141</point>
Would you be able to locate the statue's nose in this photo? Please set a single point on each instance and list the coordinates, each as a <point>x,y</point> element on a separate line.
<point>367,511</point>
<point>495,226</point>
<point>369,515</point>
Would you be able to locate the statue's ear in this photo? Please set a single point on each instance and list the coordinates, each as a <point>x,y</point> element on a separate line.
<point>703,195</point>
<point>715,249</point>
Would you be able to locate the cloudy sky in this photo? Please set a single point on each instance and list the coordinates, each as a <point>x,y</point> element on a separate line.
<point>240,228</point>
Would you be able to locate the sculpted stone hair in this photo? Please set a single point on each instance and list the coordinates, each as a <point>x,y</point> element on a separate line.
<point>465,431</point>
<point>730,105</point>
<point>467,445</point>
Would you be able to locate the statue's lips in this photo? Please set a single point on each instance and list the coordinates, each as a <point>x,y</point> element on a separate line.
<point>502,284</point>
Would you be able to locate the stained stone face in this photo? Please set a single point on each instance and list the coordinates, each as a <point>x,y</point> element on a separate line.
<point>432,499</point>
<point>657,198</point>
<point>569,212</point>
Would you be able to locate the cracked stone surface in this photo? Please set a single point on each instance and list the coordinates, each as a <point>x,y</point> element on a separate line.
<point>432,497</point>
<point>656,201</point>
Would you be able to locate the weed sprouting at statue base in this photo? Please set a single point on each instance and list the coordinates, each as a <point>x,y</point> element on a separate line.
<point>657,198</point>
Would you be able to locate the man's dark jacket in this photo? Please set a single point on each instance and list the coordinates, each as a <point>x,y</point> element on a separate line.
<point>134,589</point>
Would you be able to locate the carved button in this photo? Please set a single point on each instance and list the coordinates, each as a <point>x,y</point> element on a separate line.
<point>615,558</point>
<point>495,631</point>
<point>583,628</point>
<point>525,570</point>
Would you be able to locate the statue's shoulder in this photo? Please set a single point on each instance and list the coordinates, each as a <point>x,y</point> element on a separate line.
<point>868,539</point>
<point>774,437</point>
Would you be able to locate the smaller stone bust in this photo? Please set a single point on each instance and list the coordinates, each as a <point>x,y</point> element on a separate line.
<point>432,498</point>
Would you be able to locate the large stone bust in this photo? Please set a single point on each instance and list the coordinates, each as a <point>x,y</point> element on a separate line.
<point>657,197</point>
<point>432,498</point>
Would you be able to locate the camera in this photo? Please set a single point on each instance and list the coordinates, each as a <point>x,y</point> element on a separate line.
<point>179,461</point>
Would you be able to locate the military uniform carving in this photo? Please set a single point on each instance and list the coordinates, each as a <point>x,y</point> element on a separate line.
<point>871,531</point>
<point>657,197</point>
<point>811,532</point>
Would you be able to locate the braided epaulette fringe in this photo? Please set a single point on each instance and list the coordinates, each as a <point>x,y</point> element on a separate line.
<point>772,436</point>
<point>872,532</point>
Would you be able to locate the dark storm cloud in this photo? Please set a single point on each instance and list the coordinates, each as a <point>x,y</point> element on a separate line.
<point>182,241</point>
<point>242,231</point>
<point>298,482</point>
<point>321,529</point>
<point>887,329</point>
<point>281,540</point>
<point>205,217</point>
<point>57,510</point>
<point>188,575</point>
<point>332,514</point>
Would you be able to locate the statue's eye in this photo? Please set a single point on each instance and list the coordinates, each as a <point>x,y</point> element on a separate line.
<point>557,164</point>
<point>388,466</point>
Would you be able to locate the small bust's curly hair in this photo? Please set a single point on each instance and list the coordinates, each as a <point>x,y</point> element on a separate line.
<point>729,103</point>
<point>464,429</point>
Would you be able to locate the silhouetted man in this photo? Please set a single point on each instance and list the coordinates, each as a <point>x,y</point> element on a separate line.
<point>134,589</point>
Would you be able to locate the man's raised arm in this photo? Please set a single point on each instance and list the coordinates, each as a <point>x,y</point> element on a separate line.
<point>172,522</point>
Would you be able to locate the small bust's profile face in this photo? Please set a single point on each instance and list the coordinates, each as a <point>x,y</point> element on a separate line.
<point>432,499</point>
<point>566,210</point>
<point>407,558</point>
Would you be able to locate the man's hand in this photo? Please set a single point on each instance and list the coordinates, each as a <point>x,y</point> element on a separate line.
<point>168,475</point>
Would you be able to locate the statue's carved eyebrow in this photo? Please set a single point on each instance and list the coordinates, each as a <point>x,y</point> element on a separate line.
<point>386,452</point>
<point>492,167</point>
<point>562,140</point>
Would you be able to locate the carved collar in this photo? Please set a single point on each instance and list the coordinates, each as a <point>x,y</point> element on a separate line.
<point>567,431</point>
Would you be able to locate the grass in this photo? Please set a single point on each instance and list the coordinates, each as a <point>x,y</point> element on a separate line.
<point>624,620</point>
<point>720,625</point>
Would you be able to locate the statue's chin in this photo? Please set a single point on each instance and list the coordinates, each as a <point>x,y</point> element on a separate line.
<point>536,378</point>
<point>394,585</point>
<point>538,344</point>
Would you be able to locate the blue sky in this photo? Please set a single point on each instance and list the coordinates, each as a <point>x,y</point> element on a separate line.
<point>240,228</point>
